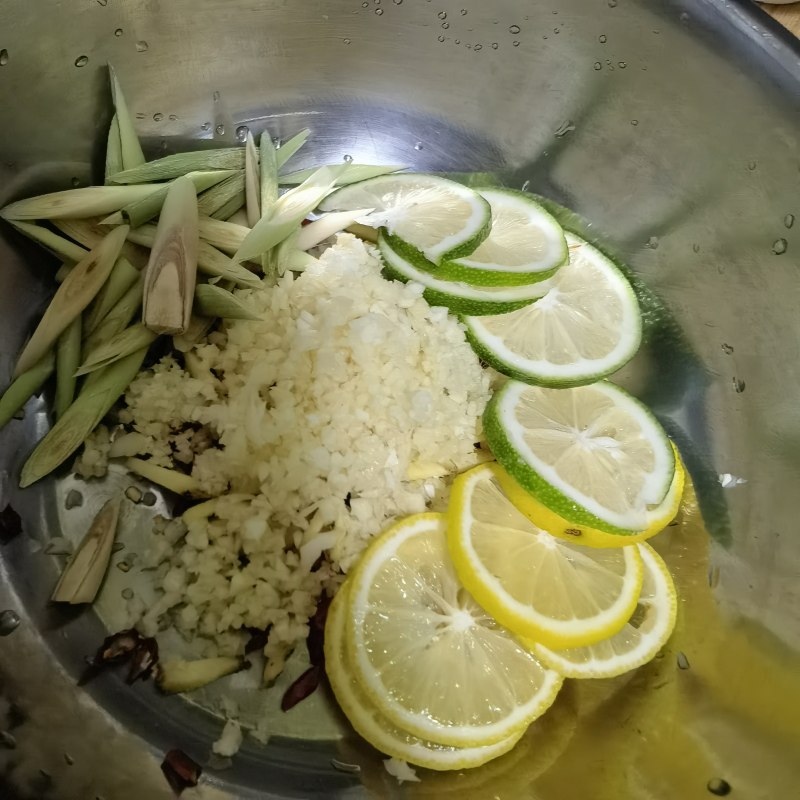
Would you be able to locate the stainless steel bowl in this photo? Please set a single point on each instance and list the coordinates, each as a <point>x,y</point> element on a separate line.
<point>672,127</point>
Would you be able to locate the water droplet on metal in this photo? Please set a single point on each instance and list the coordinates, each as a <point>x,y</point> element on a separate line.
<point>719,787</point>
<point>398,2</point>
<point>445,25</point>
<point>215,97</point>
<point>464,13</point>
<point>118,32</point>
<point>612,3</point>
<point>241,132</point>
<point>738,385</point>
<point>102,2</point>
<point>478,47</point>
<point>683,662</point>
<point>220,130</point>
<point>127,594</point>
<point>788,220</point>
<point>442,15</point>
<point>440,37</point>
<point>76,182</point>
<point>142,46</point>
<point>564,128</point>
<point>779,246</point>
<point>515,43</point>
<point>348,159</point>
<point>684,17</point>
<point>458,41</point>
<point>696,248</point>
<point>379,11</point>
<point>9,622</point>
<point>140,115</point>
<point>7,740</point>
<point>3,57</point>
<point>556,30</point>
<point>365,5</point>
<point>598,65</point>
<point>81,61</point>
<point>727,349</point>
<point>346,41</point>
<point>495,45</point>
<point>123,566</point>
<point>514,29</point>
<point>525,186</point>
<point>652,243</point>
<point>634,122</point>
<point>68,759</point>
<point>603,38</point>
<point>205,126</point>
<point>158,116</point>
<point>751,165</point>
<point>173,117</point>
<point>117,546</point>
<point>622,64</point>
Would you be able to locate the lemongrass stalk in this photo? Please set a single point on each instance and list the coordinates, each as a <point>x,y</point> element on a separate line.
<point>328,225</point>
<point>82,577</point>
<point>228,191</point>
<point>114,162</point>
<point>102,389</point>
<point>288,213</point>
<point>143,211</point>
<point>171,479</point>
<point>233,206</point>
<point>363,232</point>
<point>24,387</point>
<point>89,233</point>
<point>78,290</point>
<point>225,236</point>
<point>252,181</point>
<point>195,333</point>
<point>118,318</point>
<point>172,272</point>
<point>288,257</point>
<point>289,148</point>
<point>238,218</point>
<point>353,174</point>
<point>122,277</point>
<point>176,675</point>
<point>51,241</point>
<point>64,270</point>
<point>180,164</point>
<point>68,356</point>
<point>269,173</point>
<point>122,344</point>
<point>89,201</point>
<point>130,149</point>
<point>212,301</point>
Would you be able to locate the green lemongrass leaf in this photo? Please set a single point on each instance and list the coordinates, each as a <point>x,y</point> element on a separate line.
<point>180,164</point>
<point>252,181</point>
<point>172,272</point>
<point>90,232</point>
<point>328,225</point>
<point>352,174</point>
<point>225,236</point>
<point>288,149</point>
<point>195,333</point>
<point>78,290</point>
<point>122,277</point>
<point>114,162</point>
<point>51,241</point>
<point>136,214</point>
<point>122,344</point>
<point>130,149</point>
<point>89,201</point>
<point>269,173</point>
<point>288,213</point>
<point>24,387</point>
<point>68,356</point>
<point>102,389</point>
<point>213,301</point>
<point>231,190</point>
<point>118,318</point>
<point>171,479</point>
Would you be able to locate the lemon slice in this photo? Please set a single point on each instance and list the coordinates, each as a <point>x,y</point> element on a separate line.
<point>459,297</point>
<point>592,454</point>
<point>638,642</point>
<point>587,326</point>
<point>538,586</point>
<point>429,657</point>
<point>440,218</point>
<point>658,517</point>
<point>377,729</point>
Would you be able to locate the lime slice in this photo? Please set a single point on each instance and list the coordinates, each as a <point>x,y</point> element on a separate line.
<point>461,298</point>
<point>377,729</point>
<point>658,517</point>
<point>538,586</point>
<point>525,244</point>
<point>441,218</point>
<point>586,327</point>
<point>428,655</point>
<point>638,642</point>
<point>593,454</point>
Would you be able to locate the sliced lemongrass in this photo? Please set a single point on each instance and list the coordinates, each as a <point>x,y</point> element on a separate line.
<point>212,301</point>
<point>172,272</point>
<point>89,201</point>
<point>171,479</point>
<point>290,147</point>
<point>118,346</point>
<point>288,257</point>
<point>328,225</point>
<point>137,214</point>
<point>364,232</point>
<point>51,241</point>
<point>131,150</point>
<point>353,174</point>
<point>288,213</point>
<point>186,676</point>
<point>102,389</point>
<point>252,181</point>
<point>113,149</point>
<point>122,277</point>
<point>68,357</point>
<point>24,387</point>
<point>269,172</point>
<point>198,328</point>
<point>180,164</point>
<point>82,577</point>
<point>118,318</point>
<point>225,236</point>
<point>129,444</point>
<point>231,190</point>
<point>75,293</point>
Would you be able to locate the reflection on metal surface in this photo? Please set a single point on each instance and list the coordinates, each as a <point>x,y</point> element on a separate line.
<point>691,147</point>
